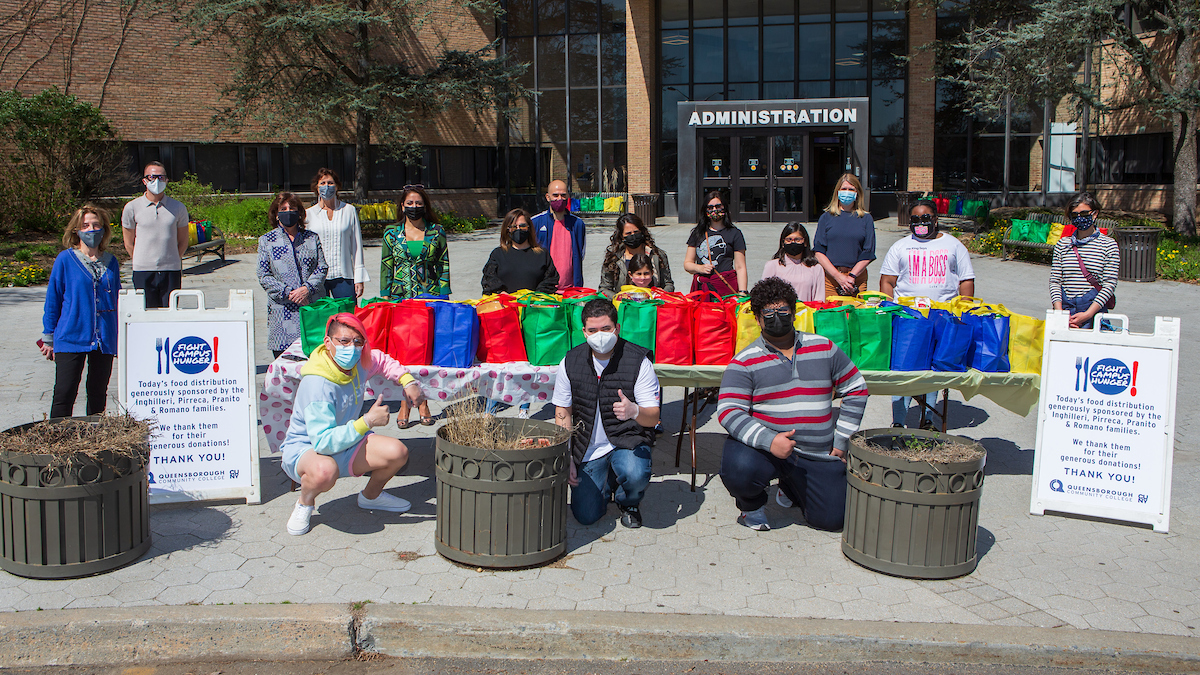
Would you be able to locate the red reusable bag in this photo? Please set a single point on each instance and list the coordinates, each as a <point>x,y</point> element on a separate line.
<point>410,338</point>
<point>714,327</point>
<point>942,204</point>
<point>500,338</point>
<point>377,318</point>
<point>576,292</point>
<point>816,304</point>
<point>673,341</point>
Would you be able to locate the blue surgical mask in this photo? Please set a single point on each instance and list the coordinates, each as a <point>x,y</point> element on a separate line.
<point>327,191</point>
<point>91,238</point>
<point>847,197</point>
<point>346,356</point>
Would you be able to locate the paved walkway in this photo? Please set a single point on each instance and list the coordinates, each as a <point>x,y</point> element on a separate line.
<point>691,557</point>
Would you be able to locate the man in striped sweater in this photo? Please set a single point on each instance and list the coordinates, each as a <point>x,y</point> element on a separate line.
<point>777,404</point>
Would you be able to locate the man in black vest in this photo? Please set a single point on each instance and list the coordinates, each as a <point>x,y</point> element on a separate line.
<point>608,385</point>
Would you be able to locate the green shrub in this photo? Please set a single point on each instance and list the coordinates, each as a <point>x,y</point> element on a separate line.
<point>452,222</point>
<point>1178,257</point>
<point>247,217</point>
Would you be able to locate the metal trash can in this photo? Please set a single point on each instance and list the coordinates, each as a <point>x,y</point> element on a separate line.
<point>904,202</point>
<point>646,208</point>
<point>1139,252</point>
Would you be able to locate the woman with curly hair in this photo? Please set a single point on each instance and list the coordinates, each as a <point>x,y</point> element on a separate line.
<point>631,237</point>
<point>416,259</point>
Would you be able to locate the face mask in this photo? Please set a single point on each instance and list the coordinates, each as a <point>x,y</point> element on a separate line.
<point>558,205</point>
<point>91,238</point>
<point>519,236</point>
<point>414,213</point>
<point>1081,222</point>
<point>346,355</point>
<point>327,191</point>
<point>634,240</point>
<point>922,231</point>
<point>777,325</point>
<point>288,218</point>
<point>793,247</point>
<point>716,216</point>
<point>602,342</point>
<point>847,197</point>
<point>156,187</point>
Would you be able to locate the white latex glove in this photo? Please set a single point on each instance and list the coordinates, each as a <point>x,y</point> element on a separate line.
<point>625,409</point>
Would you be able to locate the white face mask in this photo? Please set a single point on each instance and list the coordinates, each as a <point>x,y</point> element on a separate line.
<point>602,342</point>
<point>156,187</point>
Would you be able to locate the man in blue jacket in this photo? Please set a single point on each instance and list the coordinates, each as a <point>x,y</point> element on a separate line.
<point>563,234</point>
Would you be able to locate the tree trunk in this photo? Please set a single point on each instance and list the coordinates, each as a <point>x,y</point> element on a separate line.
<point>1184,204</point>
<point>362,155</point>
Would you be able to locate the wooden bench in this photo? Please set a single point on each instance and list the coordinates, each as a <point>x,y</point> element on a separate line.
<point>1008,242</point>
<point>215,245</point>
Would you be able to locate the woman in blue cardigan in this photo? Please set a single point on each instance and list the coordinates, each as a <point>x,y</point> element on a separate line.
<point>79,322</point>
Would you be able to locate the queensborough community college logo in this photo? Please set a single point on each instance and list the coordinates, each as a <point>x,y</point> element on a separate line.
<point>188,355</point>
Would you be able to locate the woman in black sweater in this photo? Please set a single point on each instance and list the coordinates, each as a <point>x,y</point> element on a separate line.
<point>518,263</point>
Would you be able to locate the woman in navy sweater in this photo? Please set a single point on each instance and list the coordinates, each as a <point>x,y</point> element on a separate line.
<point>845,240</point>
<point>79,322</point>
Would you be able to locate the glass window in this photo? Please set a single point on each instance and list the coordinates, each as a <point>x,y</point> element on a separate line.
<point>181,161</point>
<point>851,10</point>
<point>887,108</point>
<point>850,88</point>
<point>752,199</point>
<point>671,96</point>
<point>706,13</point>
<point>520,50</point>
<point>789,156</point>
<point>553,161</point>
<point>585,170</point>
<point>948,116</point>
<point>950,163</point>
<point>779,11</point>
<point>668,166</point>
<point>887,49</point>
<point>675,57</point>
<point>671,13</point>
<point>616,167</point>
<point>250,169</point>
<point>583,113</point>
<point>886,10</point>
<point>814,51</point>
<point>814,11</point>
<point>710,55</point>
<point>743,91</point>
<point>1023,162</point>
<point>612,59</point>
<point>218,164</point>
<point>612,16</point>
<point>583,60</point>
<point>552,113</point>
<point>708,92</point>
<point>743,13</point>
<point>779,90</point>
<point>789,198</point>
<point>851,51</point>
<point>743,53</point>
<point>304,160</point>
<point>454,164</point>
<point>521,126</point>
<point>522,168</point>
<point>485,167</point>
<point>612,120</point>
<point>277,166</point>
<point>753,161</point>
<point>551,62</point>
<point>521,17</point>
<point>779,53</point>
<point>813,89</point>
<point>715,157</point>
<point>584,17</point>
<point>552,17</point>
<point>987,164</point>
<point>888,170</point>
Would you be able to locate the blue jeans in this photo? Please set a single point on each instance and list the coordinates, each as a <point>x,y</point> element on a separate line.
<point>817,486</point>
<point>340,288</point>
<point>622,472</point>
<point>1082,303</point>
<point>900,406</point>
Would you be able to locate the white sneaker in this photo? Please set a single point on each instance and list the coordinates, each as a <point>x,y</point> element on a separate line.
<point>523,414</point>
<point>755,520</point>
<point>298,523</point>
<point>384,502</point>
<point>782,499</point>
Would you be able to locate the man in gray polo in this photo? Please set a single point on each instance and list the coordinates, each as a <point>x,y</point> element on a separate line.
<point>155,228</point>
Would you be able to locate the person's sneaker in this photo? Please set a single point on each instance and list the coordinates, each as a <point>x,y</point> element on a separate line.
<point>781,498</point>
<point>658,429</point>
<point>927,425</point>
<point>631,517</point>
<point>755,520</point>
<point>384,502</point>
<point>897,425</point>
<point>298,523</point>
<point>523,414</point>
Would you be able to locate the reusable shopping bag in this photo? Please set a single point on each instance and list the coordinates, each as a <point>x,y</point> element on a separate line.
<point>1029,230</point>
<point>976,208</point>
<point>575,205</point>
<point>871,337</point>
<point>843,300</point>
<point>544,329</point>
<point>1056,233</point>
<point>315,315</point>
<point>500,332</point>
<point>673,342</point>
<point>410,337</point>
<point>639,320</point>
<point>747,326</point>
<point>455,334</point>
<point>957,208</point>
<point>952,341</point>
<point>942,204</point>
<point>804,318</point>
<point>834,324</point>
<point>715,328</point>
<point>1025,335</point>
<point>989,331</point>
<point>912,341</point>
<point>376,316</point>
<point>573,306</point>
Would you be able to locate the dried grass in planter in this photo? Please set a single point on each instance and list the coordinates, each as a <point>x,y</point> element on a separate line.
<point>122,435</point>
<point>922,449</point>
<point>468,425</point>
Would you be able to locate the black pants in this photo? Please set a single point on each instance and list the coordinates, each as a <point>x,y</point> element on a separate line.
<point>158,286</point>
<point>68,369</point>
<point>817,486</point>
<point>339,288</point>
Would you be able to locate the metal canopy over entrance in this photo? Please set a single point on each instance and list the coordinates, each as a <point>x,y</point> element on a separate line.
<point>771,159</point>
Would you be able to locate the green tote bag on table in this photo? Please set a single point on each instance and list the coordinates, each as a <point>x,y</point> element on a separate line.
<point>835,325</point>
<point>314,316</point>
<point>574,310</point>
<point>544,329</point>
<point>639,321</point>
<point>871,337</point>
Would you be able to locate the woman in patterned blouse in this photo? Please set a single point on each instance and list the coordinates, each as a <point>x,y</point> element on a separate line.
<point>291,269</point>
<point>416,259</point>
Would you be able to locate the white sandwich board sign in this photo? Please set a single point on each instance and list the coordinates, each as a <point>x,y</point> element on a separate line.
<point>192,371</point>
<point>1106,421</point>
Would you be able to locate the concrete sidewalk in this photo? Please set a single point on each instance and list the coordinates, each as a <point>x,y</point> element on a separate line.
<point>690,558</point>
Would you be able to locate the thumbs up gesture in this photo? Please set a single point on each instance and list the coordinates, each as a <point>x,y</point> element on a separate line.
<point>378,415</point>
<point>624,409</point>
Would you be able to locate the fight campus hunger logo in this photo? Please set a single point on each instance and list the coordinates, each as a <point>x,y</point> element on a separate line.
<point>189,355</point>
<point>1110,376</point>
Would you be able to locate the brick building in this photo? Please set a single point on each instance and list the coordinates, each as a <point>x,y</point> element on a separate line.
<point>768,100</point>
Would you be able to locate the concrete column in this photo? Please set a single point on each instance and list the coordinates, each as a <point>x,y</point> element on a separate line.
<point>922,93</point>
<point>641,101</point>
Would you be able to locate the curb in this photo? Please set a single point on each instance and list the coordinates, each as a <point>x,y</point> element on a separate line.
<point>150,635</point>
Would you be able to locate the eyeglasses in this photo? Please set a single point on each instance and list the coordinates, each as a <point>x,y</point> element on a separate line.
<point>514,228</point>
<point>416,186</point>
<point>715,208</point>
<point>346,342</point>
<point>924,219</point>
<point>1083,214</point>
<point>779,311</point>
<point>153,176</point>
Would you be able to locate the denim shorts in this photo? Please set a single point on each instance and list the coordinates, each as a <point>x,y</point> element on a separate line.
<point>344,459</point>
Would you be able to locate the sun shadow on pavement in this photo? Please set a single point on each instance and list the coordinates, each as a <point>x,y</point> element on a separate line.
<point>184,528</point>
<point>1007,458</point>
<point>984,540</point>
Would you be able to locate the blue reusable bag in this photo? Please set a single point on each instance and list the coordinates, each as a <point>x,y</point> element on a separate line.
<point>912,342</point>
<point>989,332</point>
<point>455,334</point>
<point>952,342</point>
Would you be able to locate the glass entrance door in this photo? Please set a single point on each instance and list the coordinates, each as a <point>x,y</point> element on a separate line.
<point>789,178</point>
<point>763,178</point>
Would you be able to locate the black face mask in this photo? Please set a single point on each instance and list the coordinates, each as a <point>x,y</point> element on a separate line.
<point>778,325</point>
<point>288,218</point>
<point>794,248</point>
<point>634,240</point>
<point>519,236</point>
<point>414,213</point>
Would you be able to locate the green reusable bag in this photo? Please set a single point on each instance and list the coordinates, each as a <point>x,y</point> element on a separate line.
<point>871,337</point>
<point>835,325</point>
<point>976,208</point>
<point>574,310</point>
<point>544,329</point>
<point>1029,230</point>
<point>313,317</point>
<point>639,321</point>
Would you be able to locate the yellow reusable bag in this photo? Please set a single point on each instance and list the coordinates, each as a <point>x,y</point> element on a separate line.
<point>964,303</point>
<point>193,237</point>
<point>804,318</point>
<point>1056,232</point>
<point>844,300</point>
<point>872,298</point>
<point>747,326</point>
<point>1025,335</point>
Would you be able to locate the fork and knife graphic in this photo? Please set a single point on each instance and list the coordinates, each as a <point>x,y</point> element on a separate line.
<point>1081,364</point>
<point>158,345</point>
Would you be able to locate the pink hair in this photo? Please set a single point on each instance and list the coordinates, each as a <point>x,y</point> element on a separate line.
<point>353,323</point>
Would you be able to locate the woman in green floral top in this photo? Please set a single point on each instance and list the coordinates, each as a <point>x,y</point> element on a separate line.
<point>416,259</point>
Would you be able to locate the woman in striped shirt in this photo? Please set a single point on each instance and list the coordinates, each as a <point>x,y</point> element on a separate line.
<point>1083,274</point>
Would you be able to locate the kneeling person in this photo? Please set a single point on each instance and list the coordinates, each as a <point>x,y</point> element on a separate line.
<point>609,386</point>
<point>327,438</point>
<point>776,402</point>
